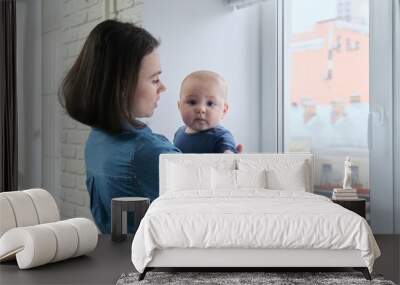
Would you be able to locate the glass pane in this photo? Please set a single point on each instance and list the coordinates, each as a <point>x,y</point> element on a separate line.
<point>326,99</point>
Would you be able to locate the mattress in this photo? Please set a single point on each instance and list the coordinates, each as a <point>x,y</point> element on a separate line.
<point>250,219</point>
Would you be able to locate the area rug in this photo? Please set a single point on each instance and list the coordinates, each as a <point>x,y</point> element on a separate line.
<point>269,278</point>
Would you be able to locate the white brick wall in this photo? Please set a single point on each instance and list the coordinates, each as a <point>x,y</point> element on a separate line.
<point>79,18</point>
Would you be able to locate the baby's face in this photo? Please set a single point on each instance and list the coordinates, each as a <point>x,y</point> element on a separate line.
<point>202,105</point>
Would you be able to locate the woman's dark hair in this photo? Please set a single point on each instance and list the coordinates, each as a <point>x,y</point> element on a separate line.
<point>98,89</point>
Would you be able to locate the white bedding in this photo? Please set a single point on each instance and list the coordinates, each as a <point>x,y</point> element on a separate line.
<point>251,218</point>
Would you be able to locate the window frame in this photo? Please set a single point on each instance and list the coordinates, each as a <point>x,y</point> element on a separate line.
<point>381,118</point>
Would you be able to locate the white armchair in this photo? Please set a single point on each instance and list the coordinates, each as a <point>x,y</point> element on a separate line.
<point>31,230</point>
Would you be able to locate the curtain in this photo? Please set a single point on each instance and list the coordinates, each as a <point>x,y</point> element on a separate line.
<point>8,97</point>
<point>396,92</point>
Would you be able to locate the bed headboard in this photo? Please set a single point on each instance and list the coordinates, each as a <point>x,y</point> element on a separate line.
<point>234,159</point>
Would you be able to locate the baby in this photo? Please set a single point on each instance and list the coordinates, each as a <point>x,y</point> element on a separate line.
<point>203,104</point>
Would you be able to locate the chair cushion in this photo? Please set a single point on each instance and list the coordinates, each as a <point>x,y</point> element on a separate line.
<point>27,208</point>
<point>40,244</point>
<point>7,220</point>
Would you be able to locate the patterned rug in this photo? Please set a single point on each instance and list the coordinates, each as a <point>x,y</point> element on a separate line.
<point>242,278</point>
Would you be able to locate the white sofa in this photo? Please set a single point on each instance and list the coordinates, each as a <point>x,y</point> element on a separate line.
<point>31,231</point>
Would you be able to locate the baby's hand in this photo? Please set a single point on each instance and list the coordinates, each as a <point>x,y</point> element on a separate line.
<point>239,149</point>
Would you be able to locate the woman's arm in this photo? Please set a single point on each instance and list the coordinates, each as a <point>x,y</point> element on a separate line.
<point>146,163</point>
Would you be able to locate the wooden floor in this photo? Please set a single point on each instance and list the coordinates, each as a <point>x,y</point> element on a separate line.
<point>110,260</point>
<point>389,262</point>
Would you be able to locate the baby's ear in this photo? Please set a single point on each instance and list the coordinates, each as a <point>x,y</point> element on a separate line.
<point>226,109</point>
<point>179,104</point>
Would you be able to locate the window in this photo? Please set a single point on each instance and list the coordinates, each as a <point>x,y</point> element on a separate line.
<point>328,75</point>
<point>348,44</point>
<point>334,120</point>
<point>330,54</point>
<point>326,176</point>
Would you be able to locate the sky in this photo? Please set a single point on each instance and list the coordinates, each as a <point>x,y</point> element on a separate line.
<point>304,13</point>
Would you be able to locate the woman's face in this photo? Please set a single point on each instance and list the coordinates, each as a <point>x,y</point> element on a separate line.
<point>149,86</point>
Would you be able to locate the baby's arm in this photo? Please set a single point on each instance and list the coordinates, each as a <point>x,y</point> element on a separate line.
<point>239,149</point>
<point>225,143</point>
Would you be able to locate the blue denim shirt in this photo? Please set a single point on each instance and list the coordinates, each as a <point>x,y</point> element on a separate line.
<point>122,165</point>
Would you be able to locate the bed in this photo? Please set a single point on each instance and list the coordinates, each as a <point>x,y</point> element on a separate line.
<point>247,210</point>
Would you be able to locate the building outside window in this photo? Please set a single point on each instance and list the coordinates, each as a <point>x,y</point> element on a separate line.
<point>336,81</point>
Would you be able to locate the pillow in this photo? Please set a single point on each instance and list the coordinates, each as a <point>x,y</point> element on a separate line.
<point>287,180</point>
<point>224,179</point>
<point>282,173</point>
<point>236,179</point>
<point>251,178</point>
<point>181,177</point>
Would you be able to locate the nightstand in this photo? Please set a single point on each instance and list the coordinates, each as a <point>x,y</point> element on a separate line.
<point>119,208</point>
<point>355,205</point>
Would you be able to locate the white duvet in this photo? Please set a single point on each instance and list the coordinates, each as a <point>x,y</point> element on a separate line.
<point>250,219</point>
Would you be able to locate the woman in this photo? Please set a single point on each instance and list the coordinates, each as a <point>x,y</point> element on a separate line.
<point>114,81</point>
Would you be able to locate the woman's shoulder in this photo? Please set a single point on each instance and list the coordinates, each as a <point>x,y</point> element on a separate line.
<point>100,137</point>
<point>155,143</point>
<point>138,141</point>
